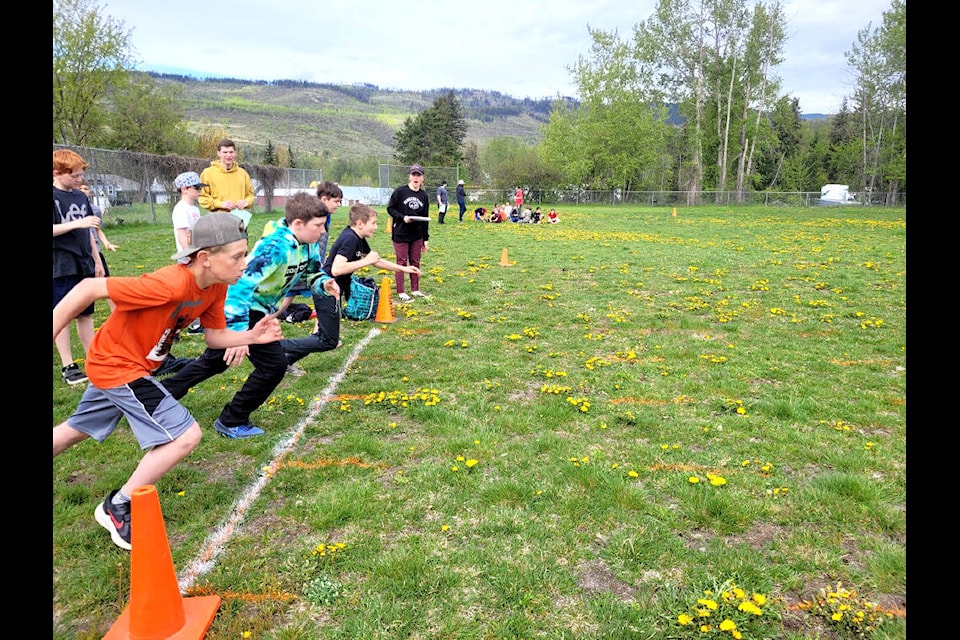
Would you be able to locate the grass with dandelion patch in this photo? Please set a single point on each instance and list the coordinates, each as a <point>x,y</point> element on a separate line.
<point>648,426</point>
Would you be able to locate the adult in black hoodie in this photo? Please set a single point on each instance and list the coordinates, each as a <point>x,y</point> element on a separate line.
<point>410,235</point>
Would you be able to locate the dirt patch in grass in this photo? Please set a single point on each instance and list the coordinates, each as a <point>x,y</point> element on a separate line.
<point>281,531</point>
<point>221,466</point>
<point>309,446</point>
<point>594,576</point>
<point>761,535</point>
<point>531,391</point>
<point>696,538</point>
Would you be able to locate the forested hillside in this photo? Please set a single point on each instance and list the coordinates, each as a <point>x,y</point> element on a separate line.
<point>336,121</point>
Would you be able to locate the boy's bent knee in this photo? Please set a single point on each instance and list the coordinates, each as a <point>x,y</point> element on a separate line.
<point>189,439</point>
<point>325,343</point>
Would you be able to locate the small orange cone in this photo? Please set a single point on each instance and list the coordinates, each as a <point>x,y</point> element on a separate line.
<point>504,262</point>
<point>389,228</point>
<point>385,305</point>
<point>156,610</point>
<point>674,212</point>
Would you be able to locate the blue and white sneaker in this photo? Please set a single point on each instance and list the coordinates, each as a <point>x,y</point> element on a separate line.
<point>238,432</point>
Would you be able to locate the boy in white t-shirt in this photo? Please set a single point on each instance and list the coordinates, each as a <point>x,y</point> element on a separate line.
<point>186,212</point>
<point>185,215</point>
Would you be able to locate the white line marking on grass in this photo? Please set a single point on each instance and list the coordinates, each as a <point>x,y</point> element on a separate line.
<point>214,544</point>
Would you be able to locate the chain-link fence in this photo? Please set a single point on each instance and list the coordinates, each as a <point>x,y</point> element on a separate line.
<point>394,175</point>
<point>542,197</point>
<point>126,181</point>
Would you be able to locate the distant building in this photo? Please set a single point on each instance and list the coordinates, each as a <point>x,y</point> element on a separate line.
<point>351,195</point>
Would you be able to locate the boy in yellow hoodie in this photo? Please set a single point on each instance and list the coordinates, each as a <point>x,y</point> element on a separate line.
<point>229,187</point>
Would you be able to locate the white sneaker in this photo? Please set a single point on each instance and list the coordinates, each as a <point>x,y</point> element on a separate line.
<point>418,294</point>
<point>404,297</point>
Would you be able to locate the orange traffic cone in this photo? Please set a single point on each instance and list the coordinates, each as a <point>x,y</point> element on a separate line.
<point>674,212</point>
<point>389,228</point>
<point>156,610</point>
<point>385,305</point>
<point>504,262</point>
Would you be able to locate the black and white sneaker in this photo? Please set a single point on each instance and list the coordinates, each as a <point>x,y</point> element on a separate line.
<point>73,374</point>
<point>115,518</point>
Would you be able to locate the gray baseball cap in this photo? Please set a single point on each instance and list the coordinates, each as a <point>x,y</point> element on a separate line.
<point>213,230</point>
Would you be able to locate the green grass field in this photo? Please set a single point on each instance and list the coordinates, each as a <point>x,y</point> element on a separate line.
<point>646,426</point>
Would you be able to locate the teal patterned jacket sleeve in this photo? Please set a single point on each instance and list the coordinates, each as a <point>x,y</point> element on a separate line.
<point>277,263</point>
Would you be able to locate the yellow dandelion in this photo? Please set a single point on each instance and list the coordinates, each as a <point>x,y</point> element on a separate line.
<point>716,480</point>
<point>693,479</point>
<point>684,619</point>
<point>727,625</point>
<point>472,462</point>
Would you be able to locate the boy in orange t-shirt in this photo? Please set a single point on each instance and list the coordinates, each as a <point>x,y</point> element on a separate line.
<point>151,311</point>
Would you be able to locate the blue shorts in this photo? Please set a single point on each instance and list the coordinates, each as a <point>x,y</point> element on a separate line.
<point>62,286</point>
<point>155,417</point>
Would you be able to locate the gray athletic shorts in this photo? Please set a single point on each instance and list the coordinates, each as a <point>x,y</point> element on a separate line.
<point>155,417</point>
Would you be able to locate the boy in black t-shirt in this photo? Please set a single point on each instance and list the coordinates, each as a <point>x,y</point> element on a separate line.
<point>350,252</point>
<point>75,253</point>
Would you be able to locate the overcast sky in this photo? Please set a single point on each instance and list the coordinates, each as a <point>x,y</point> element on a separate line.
<point>522,48</point>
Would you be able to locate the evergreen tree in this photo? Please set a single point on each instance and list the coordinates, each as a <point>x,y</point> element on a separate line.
<point>434,136</point>
<point>270,156</point>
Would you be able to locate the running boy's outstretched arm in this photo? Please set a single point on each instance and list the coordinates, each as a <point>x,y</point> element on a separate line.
<point>341,266</point>
<point>267,329</point>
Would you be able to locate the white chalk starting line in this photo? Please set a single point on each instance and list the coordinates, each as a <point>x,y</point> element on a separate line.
<point>214,544</point>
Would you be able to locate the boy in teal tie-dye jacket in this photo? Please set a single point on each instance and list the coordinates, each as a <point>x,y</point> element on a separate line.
<point>280,261</point>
